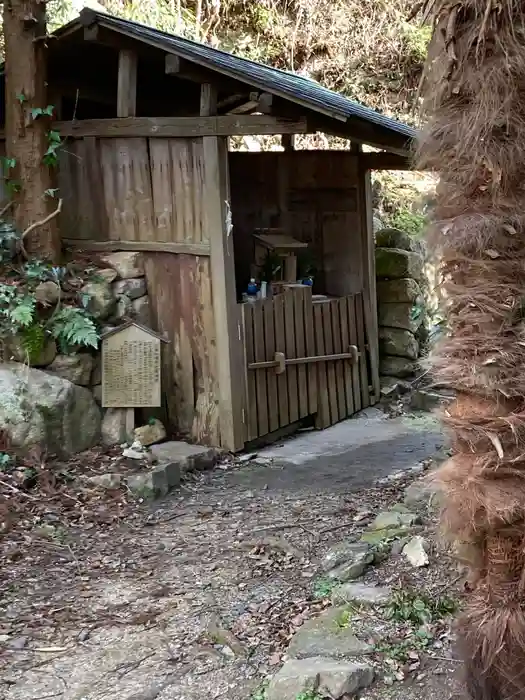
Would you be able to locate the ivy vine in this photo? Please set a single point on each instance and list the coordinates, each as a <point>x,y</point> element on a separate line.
<point>23,315</point>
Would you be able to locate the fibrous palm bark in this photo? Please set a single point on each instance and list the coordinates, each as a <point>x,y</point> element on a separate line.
<point>474,98</point>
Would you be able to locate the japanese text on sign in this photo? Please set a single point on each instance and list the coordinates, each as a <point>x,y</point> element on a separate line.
<point>131,371</point>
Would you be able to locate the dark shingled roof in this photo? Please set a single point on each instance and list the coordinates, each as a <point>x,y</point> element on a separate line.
<point>290,86</point>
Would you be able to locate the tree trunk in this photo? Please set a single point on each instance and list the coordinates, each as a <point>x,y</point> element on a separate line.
<point>29,179</point>
<point>475,139</point>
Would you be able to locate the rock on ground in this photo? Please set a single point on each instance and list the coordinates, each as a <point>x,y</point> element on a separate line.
<point>141,311</point>
<point>398,342</point>
<point>325,676</point>
<point>387,526</point>
<point>43,410</point>
<point>114,426</point>
<point>360,594</point>
<point>399,315</point>
<point>422,496</point>
<point>132,288</point>
<point>101,301</point>
<point>393,519</point>
<point>327,635</point>
<point>127,264</point>
<point>156,482</point>
<point>416,551</point>
<point>402,290</point>
<point>16,352</point>
<point>347,561</point>
<point>397,367</point>
<point>393,263</point>
<point>151,433</point>
<point>188,457</point>
<point>396,238</point>
<point>106,481</point>
<point>75,368</point>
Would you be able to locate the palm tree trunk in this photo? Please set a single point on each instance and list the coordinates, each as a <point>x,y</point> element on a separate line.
<point>474,96</point>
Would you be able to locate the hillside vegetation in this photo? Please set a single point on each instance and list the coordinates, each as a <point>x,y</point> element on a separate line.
<point>365,49</point>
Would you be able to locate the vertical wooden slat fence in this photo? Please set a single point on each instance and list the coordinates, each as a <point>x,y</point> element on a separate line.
<point>289,342</point>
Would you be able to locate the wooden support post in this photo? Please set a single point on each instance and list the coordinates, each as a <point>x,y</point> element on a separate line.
<point>227,320</point>
<point>130,423</point>
<point>369,275</point>
<point>127,84</point>
<point>208,100</point>
<point>288,142</point>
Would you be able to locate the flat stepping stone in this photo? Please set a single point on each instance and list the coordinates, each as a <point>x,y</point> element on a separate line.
<point>329,678</point>
<point>389,525</point>
<point>395,518</point>
<point>360,594</point>
<point>329,635</point>
<point>187,457</point>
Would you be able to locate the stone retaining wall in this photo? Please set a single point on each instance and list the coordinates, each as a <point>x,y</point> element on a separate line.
<point>115,293</point>
<point>401,304</point>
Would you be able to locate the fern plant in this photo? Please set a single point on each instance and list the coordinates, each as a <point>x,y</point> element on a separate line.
<point>21,316</point>
<point>73,327</point>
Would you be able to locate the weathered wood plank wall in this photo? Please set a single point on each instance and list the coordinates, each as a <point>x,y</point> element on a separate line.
<point>154,192</point>
<point>314,195</point>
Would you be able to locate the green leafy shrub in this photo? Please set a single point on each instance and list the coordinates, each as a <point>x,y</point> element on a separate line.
<point>309,695</point>
<point>399,649</point>
<point>418,608</point>
<point>412,222</point>
<point>322,588</point>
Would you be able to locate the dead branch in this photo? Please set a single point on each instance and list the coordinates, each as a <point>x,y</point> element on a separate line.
<point>6,208</point>
<point>19,492</point>
<point>42,222</point>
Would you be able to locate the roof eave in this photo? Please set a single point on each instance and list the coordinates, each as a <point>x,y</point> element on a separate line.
<point>399,141</point>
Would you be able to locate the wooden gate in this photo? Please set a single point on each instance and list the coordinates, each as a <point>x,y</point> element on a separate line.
<point>303,358</point>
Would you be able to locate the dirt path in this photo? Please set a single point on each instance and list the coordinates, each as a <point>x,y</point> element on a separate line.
<point>196,597</point>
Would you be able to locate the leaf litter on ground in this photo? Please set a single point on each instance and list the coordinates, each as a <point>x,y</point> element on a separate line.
<point>202,569</point>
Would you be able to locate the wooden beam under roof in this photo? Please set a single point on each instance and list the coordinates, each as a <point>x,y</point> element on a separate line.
<point>181,127</point>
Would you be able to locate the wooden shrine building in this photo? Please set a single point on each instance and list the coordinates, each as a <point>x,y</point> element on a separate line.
<point>150,121</point>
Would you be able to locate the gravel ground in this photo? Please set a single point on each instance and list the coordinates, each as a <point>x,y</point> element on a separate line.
<point>196,597</point>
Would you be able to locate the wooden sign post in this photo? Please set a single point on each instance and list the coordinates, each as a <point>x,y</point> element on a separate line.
<point>131,369</point>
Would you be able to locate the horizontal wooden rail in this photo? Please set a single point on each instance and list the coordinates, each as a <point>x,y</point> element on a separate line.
<point>385,161</point>
<point>140,246</point>
<point>280,362</point>
<point>181,127</point>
